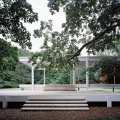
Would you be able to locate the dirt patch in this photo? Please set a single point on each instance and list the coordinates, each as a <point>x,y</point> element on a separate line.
<point>94,112</point>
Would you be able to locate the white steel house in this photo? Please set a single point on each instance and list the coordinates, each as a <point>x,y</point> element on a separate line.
<point>61,97</point>
<point>86,60</point>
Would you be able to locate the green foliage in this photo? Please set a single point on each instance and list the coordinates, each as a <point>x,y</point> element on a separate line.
<point>12,15</point>
<point>38,76</point>
<point>111,52</point>
<point>52,77</point>
<point>8,55</point>
<point>8,62</point>
<point>56,47</point>
<point>22,74</point>
<point>24,53</point>
<point>58,77</point>
<point>104,66</point>
<point>96,22</point>
<point>12,79</point>
<point>80,73</point>
<point>6,80</point>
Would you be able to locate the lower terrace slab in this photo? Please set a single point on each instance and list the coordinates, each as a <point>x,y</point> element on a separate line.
<point>90,95</point>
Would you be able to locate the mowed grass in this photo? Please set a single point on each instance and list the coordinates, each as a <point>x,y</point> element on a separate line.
<point>116,89</point>
<point>19,89</point>
<point>110,89</point>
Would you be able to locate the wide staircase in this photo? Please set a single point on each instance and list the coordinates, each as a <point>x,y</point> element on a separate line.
<point>57,97</point>
<point>53,102</point>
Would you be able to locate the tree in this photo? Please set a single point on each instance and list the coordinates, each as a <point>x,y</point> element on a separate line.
<point>58,77</point>
<point>24,53</point>
<point>55,48</point>
<point>12,15</point>
<point>12,79</point>
<point>105,67</point>
<point>8,55</point>
<point>95,21</point>
<point>22,74</point>
<point>8,62</point>
<point>111,52</point>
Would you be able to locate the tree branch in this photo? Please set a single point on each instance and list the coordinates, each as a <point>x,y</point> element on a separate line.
<point>107,30</point>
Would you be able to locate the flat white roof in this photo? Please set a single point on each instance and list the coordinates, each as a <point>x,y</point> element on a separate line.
<point>96,58</point>
<point>25,60</point>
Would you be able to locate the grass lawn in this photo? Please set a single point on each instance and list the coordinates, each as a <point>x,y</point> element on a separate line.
<point>19,89</point>
<point>117,89</point>
<point>10,89</point>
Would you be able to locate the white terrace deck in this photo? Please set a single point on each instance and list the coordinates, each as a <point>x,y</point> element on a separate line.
<point>90,95</point>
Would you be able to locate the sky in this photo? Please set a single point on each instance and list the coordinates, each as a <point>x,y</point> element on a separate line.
<point>40,6</point>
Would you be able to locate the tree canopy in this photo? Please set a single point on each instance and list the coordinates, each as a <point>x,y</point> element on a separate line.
<point>8,62</point>
<point>8,56</point>
<point>96,22</point>
<point>56,46</point>
<point>24,53</point>
<point>13,13</point>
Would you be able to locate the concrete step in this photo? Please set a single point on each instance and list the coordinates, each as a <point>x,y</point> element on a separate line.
<point>55,102</point>
<point>57,105</point>
<point>56,97</point>
<point>60,87</point>
<point>55,108</point>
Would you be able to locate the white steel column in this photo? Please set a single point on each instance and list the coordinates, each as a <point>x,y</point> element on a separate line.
<point>44,76</point>
<point>32,77</point>
<point>73,74</point>
<point>87,77</point>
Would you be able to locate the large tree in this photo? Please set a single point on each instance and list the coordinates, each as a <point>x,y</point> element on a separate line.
<point>56,46</point>
<point>111,52</point>
<point>8,56</point>
<point>8,62</point>
<point>12,15</point>
<point>97,22</point>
